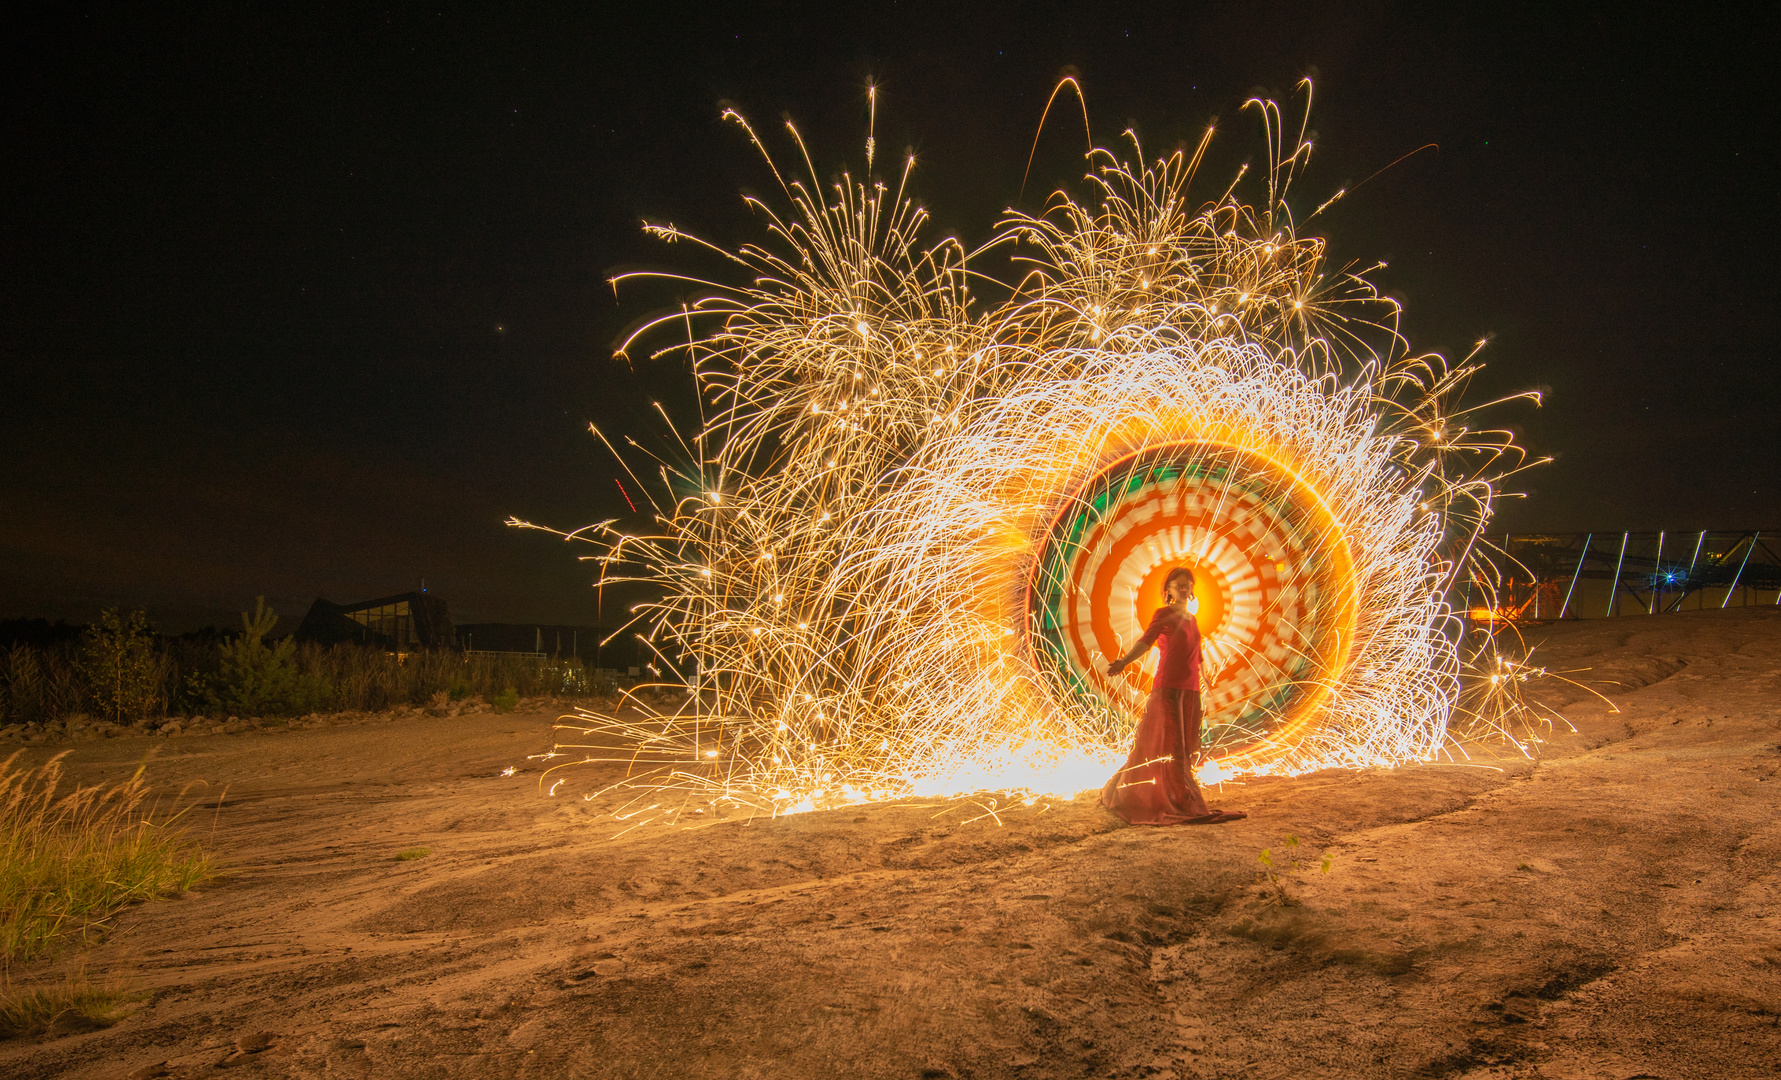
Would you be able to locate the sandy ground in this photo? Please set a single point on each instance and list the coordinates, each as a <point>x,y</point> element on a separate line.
<point>1609,912</point>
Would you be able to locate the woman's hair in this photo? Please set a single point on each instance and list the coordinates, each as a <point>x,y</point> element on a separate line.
<point>1177,573</point>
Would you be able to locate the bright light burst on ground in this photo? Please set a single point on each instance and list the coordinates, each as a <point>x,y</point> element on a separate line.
<point>915,525</point>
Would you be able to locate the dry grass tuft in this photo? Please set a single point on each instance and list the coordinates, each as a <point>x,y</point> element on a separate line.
<point>65,1009</point>
<point>69,861</point>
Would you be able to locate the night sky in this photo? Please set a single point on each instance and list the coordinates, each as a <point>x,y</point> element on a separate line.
<point>303,305</point>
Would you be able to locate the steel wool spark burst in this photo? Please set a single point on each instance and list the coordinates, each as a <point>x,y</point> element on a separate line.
<point>923,509</point>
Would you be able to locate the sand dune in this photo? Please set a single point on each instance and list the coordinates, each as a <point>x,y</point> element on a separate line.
<point>1609,911</point>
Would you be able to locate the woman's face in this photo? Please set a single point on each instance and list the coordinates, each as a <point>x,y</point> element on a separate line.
<point>1176,592</point>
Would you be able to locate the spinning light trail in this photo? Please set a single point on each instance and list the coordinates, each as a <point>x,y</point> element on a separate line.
<point>914,525</point>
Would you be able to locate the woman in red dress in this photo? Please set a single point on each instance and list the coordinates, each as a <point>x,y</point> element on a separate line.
<point>1157,785</point>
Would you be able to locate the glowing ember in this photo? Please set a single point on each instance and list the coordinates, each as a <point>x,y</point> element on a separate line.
<point>897,555</point>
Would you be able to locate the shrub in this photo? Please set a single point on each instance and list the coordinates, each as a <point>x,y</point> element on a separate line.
<point>254,678</point>
<point>506,701</point>
<point>121,665</point>
<point>207,672</point>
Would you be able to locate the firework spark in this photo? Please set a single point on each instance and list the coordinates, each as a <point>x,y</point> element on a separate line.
<point>894,557</point>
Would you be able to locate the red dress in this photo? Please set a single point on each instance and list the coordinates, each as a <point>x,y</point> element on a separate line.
<point>1157,785</point>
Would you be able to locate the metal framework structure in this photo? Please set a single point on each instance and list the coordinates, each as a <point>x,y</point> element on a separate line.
<point>1544,576</point>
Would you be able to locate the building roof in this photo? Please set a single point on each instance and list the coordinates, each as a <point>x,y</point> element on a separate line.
<point>404,622</point>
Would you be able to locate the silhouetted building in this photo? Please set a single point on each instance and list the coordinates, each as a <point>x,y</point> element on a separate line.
<point>402,623</point>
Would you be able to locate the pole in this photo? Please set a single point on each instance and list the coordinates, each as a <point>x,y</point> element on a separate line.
<point>1509,571</point>
<point>1689,577</point>
<point>1614,589</point>
<point>1575,576</point>
<point>1657,574</point>
<point>1740,573</point>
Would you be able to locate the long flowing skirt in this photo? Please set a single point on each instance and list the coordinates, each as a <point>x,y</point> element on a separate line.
<point>1157,785</point>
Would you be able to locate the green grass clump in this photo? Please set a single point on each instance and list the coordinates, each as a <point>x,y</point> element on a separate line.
<point>73,1006</point>
<point>69,861</point>
<point>413,853</point>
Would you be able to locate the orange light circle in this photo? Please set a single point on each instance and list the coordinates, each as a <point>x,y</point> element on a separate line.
<point>1272,579</point>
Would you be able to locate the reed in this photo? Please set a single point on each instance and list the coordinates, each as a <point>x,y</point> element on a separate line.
<point>367,679</point>
<point>41,684</point>
<point>72,857</point>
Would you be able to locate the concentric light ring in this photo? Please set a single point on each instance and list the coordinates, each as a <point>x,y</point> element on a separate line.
<point>1275,605</point>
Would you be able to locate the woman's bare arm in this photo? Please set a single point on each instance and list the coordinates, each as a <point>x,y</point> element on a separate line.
<point>1158,626</point>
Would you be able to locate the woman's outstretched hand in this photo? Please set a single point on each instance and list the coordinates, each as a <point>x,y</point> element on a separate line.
<point>1115,668</point>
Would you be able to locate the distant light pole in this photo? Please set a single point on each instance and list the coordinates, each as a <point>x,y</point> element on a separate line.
<point>1739,575</point>
<point>1562,607</point>
<point>1614,588</point>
